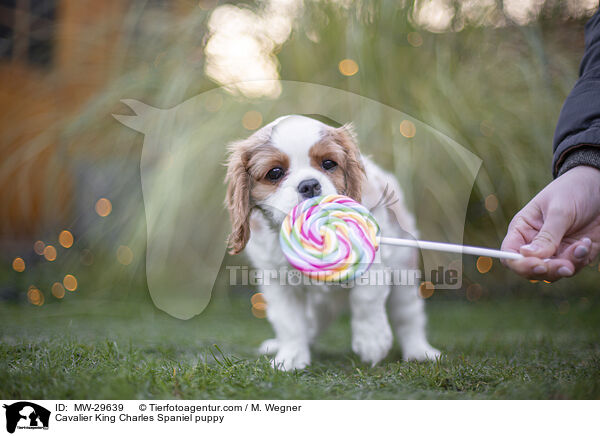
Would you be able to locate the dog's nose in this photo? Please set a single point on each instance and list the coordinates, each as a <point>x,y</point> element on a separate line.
<point>309,188</point>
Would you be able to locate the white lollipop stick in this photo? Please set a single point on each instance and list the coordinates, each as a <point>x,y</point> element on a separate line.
<point>451,248</point>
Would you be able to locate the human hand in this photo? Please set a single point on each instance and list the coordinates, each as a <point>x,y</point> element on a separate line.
<point>559,230</point>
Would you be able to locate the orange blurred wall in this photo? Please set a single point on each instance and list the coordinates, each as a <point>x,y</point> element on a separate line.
<point>35,184</point>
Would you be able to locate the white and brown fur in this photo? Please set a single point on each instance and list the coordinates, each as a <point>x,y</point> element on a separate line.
<point>257,206</point>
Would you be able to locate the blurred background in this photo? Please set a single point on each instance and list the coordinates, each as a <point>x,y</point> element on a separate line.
<point>489,74</point>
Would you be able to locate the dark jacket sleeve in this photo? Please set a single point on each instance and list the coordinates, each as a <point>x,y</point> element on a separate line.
<point>577,135</point>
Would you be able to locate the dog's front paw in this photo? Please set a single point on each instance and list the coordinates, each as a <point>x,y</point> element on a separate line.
<point>371,342</point>
<point>268,347</point>
<point>290,357</point>
<point>421,352</point>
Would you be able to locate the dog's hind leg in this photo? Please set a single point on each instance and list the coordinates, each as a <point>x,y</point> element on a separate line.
<point>371,332</point>
<point>322,307</point>
<point>407,315</point>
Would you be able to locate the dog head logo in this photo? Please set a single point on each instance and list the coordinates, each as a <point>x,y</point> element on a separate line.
<point>183,192</point>
<point>182,174</point>
<point>26,415</point>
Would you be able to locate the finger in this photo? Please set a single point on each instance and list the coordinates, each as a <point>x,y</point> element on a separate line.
<point>512,242</point>
<point>529,267</point>
<point>570,261</point>
<point>558,269</point>
<point>578,253</point>
<point>545,243</point>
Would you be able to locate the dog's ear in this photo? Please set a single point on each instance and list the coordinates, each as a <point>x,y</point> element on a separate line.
<point>354,169</point>
<point>239,184</point>
<point>238,197</point>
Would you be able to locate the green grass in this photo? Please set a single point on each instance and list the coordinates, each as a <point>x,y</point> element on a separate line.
<point>100,350</point>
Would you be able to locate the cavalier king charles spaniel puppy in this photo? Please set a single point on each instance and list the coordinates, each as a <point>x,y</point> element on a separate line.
<point>285,162</point>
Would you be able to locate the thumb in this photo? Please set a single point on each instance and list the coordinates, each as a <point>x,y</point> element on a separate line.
<point>547,240</point>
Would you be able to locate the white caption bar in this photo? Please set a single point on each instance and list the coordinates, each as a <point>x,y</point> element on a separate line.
<point>299,417</point>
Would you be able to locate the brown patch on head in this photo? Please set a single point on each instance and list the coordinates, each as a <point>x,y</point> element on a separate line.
<point>262,160</point>
<point>326,149</point>
<point>339,145</point>
<point>248,163</point>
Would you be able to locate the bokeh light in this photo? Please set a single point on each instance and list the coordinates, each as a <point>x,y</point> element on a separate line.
<point>426,289</point>
<point>433,15</point>
<point>214,102</point>
<point>38,247</point>
<point>474,292</point>
<point>18,264</point>
<point>35,296</point>
<point>252,120</point>
<point>259,305</point>
<point>58,290</point>
<point>50,253</point>
<point>259,313</point>
<point>240,50</point>
<point>258,298</point>
<point>124,255</point>
<point>70,282</point>
<point>103,207</point>
<point>522,11</point>
<point>348,67</point>
<point>415,39</point>
<point>65,238</point>
<point>484,264</point>
<point>87,257</point>
<point>408,129</point>
<point>491,203</point>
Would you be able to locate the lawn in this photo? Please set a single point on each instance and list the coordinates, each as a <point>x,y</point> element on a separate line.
<point>530,349</point>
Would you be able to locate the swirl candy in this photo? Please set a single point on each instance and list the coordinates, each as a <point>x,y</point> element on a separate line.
<point>331,238</point>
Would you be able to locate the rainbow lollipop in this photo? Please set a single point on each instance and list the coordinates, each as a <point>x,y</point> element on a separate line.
<point>330,238</point>
<point>333,238</point>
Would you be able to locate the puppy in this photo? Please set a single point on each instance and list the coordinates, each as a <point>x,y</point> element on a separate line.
<point>285,162</point>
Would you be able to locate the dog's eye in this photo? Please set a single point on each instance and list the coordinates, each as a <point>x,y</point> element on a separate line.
<point>328,164</point>
<point>275,174</point>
